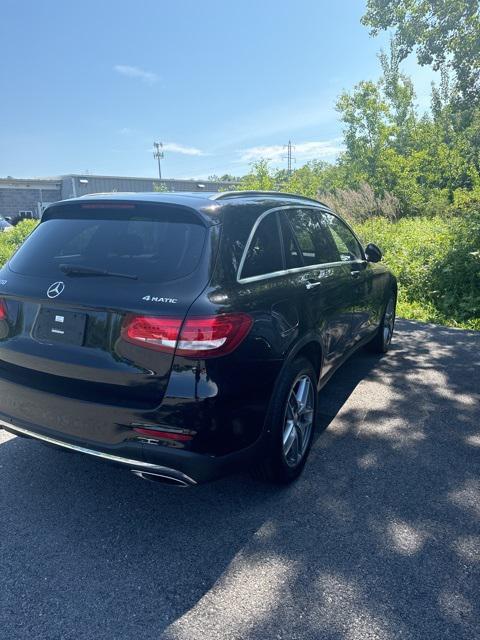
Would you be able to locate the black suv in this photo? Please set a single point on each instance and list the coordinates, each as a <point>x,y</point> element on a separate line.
<point>185,336</point>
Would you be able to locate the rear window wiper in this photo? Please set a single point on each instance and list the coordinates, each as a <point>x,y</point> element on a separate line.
<point>78,270</point>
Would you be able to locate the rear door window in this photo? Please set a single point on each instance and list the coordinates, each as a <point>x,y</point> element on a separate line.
<point>153,243</point>
<point>313,236</point>
<point>264,254</point>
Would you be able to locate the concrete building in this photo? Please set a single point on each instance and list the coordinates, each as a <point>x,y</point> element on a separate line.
<point>27,197</point>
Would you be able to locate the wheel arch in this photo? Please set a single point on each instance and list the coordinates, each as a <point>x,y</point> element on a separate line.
<point>394,285</point>
<point>313,352</point>
<point>309,347</point>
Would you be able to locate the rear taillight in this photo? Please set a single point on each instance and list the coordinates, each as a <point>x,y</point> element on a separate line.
<point>197,338</point>
<point>158,333</point>
<point>217,335</point>
<point>3,310</point>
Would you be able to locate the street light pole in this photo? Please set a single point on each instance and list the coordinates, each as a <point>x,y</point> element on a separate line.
<point>159,155</point>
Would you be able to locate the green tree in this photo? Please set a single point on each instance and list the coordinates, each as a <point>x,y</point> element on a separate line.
<point>260,178</point>
<point>313,178</point>
<point>420,161</point>
<point>368,128</point>
<point>399,94</point>
<point>442,32</point>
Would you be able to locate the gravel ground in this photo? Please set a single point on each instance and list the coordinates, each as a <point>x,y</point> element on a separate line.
<point>380,538</point>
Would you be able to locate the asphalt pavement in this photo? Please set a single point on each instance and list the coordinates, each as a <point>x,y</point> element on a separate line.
<point>380,537</point>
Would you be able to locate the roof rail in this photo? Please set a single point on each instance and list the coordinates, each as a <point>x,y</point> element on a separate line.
<point>106,193</point>
<point>225,195</point>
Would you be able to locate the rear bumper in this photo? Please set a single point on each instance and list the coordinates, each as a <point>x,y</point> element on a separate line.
<point>132,464</point>
<point>229,428</point>
<point>185,467</point>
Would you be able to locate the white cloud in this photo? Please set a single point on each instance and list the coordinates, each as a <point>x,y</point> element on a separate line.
<point>126,131</point>
<point>173,147</point>
<point>314,150</point>
<point>136,72</point>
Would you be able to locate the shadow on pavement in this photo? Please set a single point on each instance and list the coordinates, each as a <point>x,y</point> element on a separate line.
<point>379,538</point>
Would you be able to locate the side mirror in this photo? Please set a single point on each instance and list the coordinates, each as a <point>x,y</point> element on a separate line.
<point>373,253</point>
<point>8,218</point>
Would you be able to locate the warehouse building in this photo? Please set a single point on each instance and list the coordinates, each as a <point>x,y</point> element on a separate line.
<point>27,198</point>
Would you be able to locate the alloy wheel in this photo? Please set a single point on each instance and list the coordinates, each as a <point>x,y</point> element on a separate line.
<point>298,421</point>
<point>388,322</point>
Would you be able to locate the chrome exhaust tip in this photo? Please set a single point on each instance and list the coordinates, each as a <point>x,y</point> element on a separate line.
<point>160,478</point>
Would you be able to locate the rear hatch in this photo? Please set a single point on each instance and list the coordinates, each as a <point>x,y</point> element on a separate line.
<point>70,293</point>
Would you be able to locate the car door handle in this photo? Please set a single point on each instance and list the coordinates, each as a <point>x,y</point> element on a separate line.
<point>357,268</point>
<point>312,285</point>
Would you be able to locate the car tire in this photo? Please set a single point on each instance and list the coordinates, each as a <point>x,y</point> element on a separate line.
<point>380,343</point>
<point>291,423</point>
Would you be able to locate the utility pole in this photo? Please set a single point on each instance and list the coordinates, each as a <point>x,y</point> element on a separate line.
<point>159,155</point>
<point>289,157</point>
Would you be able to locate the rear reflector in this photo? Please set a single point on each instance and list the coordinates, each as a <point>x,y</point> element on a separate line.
<point>3,310</point>
<point>198,337</point>
<point>165,435</point>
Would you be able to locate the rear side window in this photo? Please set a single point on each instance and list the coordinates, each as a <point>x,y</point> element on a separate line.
<point>155,244</point>
<point>293,255</point>
<point>345,241</point>
<point>313,236</point>
<point>264,253</point>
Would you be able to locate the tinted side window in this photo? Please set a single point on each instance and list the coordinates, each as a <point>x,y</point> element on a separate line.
<point>345,241</point>
<point>265,251</point>
<point>313,236</point>
<point>293,255</point>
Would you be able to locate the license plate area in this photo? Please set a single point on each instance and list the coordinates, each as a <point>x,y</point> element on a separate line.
<point>56,325</point>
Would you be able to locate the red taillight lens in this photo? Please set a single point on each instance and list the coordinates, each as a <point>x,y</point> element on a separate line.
<point>213,336</point>
<point>3,310</point>
<point>198,338</point>
<point>158,333</point>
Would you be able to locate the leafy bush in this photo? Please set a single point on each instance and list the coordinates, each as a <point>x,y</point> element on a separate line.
<point>11,240</point>
<point>437,263</point>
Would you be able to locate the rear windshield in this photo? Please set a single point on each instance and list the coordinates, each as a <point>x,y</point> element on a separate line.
<point>152,243</point>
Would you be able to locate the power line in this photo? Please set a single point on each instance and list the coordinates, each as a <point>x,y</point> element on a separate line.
<point>159,155</point>
<point>289,156</point>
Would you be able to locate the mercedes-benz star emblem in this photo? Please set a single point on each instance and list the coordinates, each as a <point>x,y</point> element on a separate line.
<point>55,289</point>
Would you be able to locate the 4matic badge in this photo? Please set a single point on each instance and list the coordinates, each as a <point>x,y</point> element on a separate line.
<point>157,299</point>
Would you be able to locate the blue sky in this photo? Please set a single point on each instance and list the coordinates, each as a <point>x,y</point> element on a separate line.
<point>90,85</point>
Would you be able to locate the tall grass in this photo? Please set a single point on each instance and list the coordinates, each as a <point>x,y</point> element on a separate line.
<point>437,263</point>
<point>361,204</point>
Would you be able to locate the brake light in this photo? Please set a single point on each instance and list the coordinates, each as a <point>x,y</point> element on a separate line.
<point>3,310</point>
<point>107,205</point>
<point>198,337</point>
